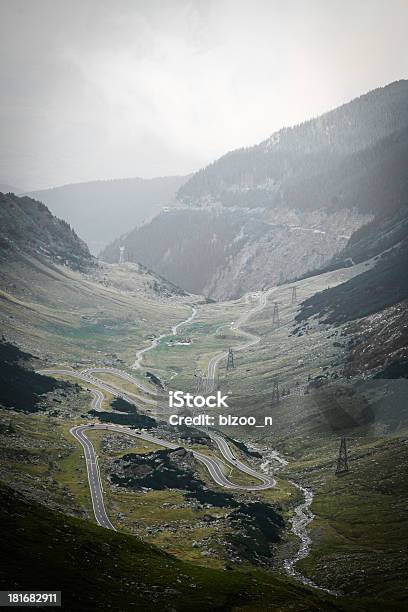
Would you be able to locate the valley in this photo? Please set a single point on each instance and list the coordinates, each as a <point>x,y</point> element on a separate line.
<point>274,279</point>
<point>264,352</point>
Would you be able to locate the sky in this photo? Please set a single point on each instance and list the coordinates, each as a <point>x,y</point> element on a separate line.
<point>100,89</point>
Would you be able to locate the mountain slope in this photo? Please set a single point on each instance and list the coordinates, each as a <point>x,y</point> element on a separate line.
<point>102,210</point>
<point>287,206</point>
<point>373,303</point>
<point>57,302</point>
<point>27,225</point>
<point>98,569</point>
<point>224,253</point>
<point>273,172</point>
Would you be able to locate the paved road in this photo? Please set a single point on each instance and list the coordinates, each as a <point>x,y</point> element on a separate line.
<point>213,465</point>
<point>212,367</point>
<point>236,326</point>
<point>121,374</point>
<point>94,479</point>
<point>86,376</point>
<point>155,341</point>
<point>97,399</point>
<point>230,457</point>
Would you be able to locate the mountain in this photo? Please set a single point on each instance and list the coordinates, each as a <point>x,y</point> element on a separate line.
<point>373,304</point>
<point>58,302</point>
<point>223,253</point>
<point>282,208</point>
<point>102,210</point>
<point>275,172</point>
<point>27,225</point>
<point>21,388</point>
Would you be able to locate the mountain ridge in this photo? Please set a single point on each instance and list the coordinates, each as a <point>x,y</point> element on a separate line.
<point>101,210</point>
<point>278,210</point>
<point>27,225</point>
<point>258,174</point>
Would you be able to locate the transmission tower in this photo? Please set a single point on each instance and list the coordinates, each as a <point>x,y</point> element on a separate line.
<point>121,254</point>
<point>275,393</point>
<point>342,461</point>
<point>230,360</point>
<point>294,296</point>
<point>275,317</point>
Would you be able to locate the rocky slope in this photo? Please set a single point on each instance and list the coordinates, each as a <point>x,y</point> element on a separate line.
<point>275,211</point>
<point>224,252</point>
<point>373,303</point>
<point>27,225</point>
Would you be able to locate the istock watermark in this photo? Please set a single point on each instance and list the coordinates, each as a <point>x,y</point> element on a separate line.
<point>179,399</point>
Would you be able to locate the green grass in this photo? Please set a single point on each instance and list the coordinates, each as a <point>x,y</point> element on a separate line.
<point>360,533</point>
<point>70,317</point>
<point>100,569</point>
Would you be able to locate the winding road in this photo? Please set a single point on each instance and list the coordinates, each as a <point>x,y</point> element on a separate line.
<point>86,376</point>
<point>236,326</point>
<point>213,465</point>
<point>139,355</point>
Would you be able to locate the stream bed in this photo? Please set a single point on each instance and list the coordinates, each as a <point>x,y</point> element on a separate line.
<point>299,521</point>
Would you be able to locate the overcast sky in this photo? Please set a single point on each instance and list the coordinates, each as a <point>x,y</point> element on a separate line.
<point>94,89</point>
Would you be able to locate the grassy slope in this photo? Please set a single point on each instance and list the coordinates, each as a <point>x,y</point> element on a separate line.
<point>360,532</point>
<point>256,369</point>
<point>38,455</point>
<point>98,569</point>
<point>383,285</point>
<point>360,523</point>
<point>66,316</point>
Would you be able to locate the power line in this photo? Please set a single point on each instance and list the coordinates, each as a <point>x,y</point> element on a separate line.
<point>342,461</point>
<point>275,393</point>
<point>230,360</point>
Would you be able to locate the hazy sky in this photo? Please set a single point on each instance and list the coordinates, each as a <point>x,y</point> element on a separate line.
<point>112,88</point>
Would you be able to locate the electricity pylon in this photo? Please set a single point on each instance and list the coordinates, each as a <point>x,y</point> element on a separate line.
<point>275,393</point>
<point>230,360</point>
<point>121,254</point>
<point>294,296</point>
<point>342,461</point>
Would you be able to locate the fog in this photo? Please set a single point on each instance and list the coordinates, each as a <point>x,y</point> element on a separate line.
<point>97,89</point>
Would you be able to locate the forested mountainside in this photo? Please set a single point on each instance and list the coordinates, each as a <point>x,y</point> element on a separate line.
<point>27,225</point>
<point>312,155</point>
<point>287,206</point>
<point>224,253</point>
<point>102,210</point>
